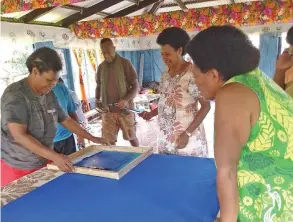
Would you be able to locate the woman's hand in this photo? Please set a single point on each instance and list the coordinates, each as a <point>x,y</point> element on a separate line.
<point>100,140</point>
<point>63,163</point>
<point>146,115</point>
<point>182,140</point>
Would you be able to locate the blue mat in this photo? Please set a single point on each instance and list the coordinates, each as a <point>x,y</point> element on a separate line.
<point>160,189</point>
<point>108,160</point>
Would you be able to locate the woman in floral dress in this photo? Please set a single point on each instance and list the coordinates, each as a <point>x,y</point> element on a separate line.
<point>253,127</point>
<point>179,116</point>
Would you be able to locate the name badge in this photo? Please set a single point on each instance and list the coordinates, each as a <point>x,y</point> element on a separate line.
<point>51,111</point>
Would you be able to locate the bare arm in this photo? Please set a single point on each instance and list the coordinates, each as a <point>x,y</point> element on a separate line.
<point>133,91</point>
<point>149,115</point>
<point>154,112</point>
<point>232,129</point>
<point>279,78</point>
<point>284,62</point>
<point>21,137</point>
<point>98,87</point>
<point>131,77</point>
<point>73,116</point>
<point>74,127</point>
<point>199,117</point>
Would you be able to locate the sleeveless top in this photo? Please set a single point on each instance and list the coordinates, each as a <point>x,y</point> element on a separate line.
<point>265,169</point>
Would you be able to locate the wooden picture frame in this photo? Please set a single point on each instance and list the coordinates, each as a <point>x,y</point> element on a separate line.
<point>93,149</point>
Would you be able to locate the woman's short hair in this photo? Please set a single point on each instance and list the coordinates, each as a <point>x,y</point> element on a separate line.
<point>104,40</point>
<point>224,48</point>
<point>44,59</point>
<point>175,37</point>
<point>289,37</point>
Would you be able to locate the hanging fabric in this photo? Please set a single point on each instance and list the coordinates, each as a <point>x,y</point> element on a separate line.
<point>92,56</point>
<point>78,54</point>
<point>268,52</point>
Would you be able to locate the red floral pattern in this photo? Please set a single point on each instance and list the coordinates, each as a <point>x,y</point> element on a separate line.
<point>9,6</point>
<point>174,97</point>
<point>242,14</point>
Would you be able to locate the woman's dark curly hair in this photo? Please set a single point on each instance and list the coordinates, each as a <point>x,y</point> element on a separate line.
<point>175,37</point>
<point>224,48</point>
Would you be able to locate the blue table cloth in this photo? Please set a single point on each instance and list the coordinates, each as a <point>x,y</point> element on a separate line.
<point>163,188</point>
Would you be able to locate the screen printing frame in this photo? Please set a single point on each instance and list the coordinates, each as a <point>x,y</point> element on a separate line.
<point>145,152</point>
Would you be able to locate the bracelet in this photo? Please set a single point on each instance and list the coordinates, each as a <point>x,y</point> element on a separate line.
<point>188,133</point>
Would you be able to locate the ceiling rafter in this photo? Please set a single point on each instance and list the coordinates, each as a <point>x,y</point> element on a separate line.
<point>81,9</point>
<point>190,2</point>
<point>135,1</point>
<point>35,14</point>
<point>181,5</point>
<point>103,14</point>
<point>86,12</point>
<point>133,8</point>
<point>156,7</point>
<point>73,7</point>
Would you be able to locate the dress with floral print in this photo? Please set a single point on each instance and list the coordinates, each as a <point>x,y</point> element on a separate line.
<point>265,169</point>
<point>179,100</point>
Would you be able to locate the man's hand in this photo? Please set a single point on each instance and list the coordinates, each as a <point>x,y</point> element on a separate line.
<point>63,163</point>
<point>100,140</point>
<point>285,61</point>
<point>182,140</point>
<point>122,103</point>
<point>98,102</point>
<point>100,107</point>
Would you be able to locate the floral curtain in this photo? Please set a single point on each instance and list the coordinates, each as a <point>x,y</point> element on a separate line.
<point>240,14</point>
<point>9,6</point>
<point>92,56</point>
<point>269,48</point>
<point>78,54</point>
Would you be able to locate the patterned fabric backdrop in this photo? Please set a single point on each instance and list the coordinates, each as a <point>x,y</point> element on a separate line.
<point>242,14</point>
<point>78,54</point>
<point>8,6</point>
<point>92,56</point>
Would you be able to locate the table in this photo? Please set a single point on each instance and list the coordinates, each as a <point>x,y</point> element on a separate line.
<point>162,188</point>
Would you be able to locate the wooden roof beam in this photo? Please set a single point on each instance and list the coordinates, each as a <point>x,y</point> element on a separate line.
<point>156,7</point>
<point>103,14</point>
<point>80,10</point>
<point>86,12</point>
<point>35,14</point>
<point>181,5</point>
<point>133,8</point>
<point>134,1</point>
<point>73,7</point>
